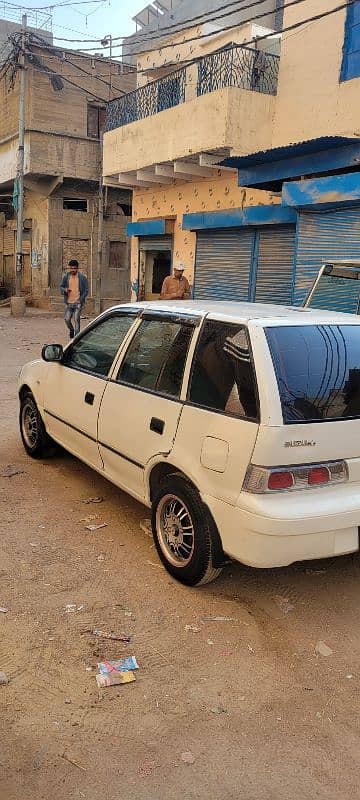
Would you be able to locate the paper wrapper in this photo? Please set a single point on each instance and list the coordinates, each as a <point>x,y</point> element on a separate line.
<point>116,678</point>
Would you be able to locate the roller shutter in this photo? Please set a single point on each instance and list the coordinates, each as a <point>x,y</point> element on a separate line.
<point>329,236</point>
<point>275,263</point>
<point>222,266</point>
<point>155,243</point>
<point>245,264</point>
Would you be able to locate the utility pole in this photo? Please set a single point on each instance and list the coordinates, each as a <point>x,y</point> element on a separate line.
<point>100,231</point>
<point>107,40</point>
<point>100,250</point>
<point>18,305</point>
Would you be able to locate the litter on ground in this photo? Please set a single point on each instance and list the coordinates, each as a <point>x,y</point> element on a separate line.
<point>116,673</point>
<point>121,665</point>
<point>322,649</point>
<point>93,500</point>
<point>98,527</point>
<point>145,526</point>
<point>10,471</point>
<point>116,637</point>
<point>115,679</point>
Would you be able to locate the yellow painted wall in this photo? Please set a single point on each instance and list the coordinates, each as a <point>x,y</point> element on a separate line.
<point>151,64</point>
<point>215,194</point>
<point>232,118</point>
<point>311,101</point>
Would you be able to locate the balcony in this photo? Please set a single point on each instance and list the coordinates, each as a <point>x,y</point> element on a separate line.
<point>221,105</point>
<point>241,67</point>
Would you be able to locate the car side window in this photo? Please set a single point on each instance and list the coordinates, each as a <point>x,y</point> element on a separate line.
<point>156,356</point>
<point>222,376</point>
<point>96,349</point>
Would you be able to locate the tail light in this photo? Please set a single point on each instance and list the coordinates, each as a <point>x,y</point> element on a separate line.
<point>265,480</point>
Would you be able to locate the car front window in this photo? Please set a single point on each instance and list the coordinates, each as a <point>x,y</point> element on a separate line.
<point>95,351</point>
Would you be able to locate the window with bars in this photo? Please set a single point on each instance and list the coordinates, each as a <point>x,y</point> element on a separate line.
<point>96,121</point>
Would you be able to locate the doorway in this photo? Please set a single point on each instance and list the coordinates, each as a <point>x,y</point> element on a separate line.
<point>157,268</point>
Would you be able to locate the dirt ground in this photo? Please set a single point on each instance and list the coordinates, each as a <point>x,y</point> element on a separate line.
<point>236,708</point>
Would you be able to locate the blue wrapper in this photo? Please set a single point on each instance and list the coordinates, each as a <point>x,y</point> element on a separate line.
<point>124,665</point>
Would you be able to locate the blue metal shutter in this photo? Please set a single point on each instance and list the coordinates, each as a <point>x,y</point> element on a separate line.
<point>275,265</point>
<point>324,236</point>
<point>222,264</point>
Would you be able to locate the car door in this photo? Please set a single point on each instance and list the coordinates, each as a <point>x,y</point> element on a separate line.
<point>74,387</point>
<point>141,406</point>
<point>220,421</point>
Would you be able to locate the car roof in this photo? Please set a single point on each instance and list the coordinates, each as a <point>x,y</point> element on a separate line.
<point>245,312</point>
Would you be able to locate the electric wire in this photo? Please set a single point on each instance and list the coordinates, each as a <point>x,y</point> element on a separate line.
<point>294,26</point>
<point>210,16</point>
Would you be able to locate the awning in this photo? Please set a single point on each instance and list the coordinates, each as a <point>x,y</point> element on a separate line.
<point>332,191</point>
<point>235,218</point>
<point>313,156</point>
<point>151,227</point>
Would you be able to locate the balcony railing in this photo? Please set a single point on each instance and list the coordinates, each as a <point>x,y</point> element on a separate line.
<point>237,66</point>
<point>148,100</point>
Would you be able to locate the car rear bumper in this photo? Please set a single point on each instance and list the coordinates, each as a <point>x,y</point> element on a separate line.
<point>265,541</point>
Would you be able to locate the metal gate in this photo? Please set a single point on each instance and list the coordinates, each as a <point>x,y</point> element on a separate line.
<point>324,236</point>
<point>245,264</point>
<point>155,243</point>
<point>222,265</point>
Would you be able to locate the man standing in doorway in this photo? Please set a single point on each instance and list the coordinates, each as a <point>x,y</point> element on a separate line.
<point>74,288</point>
<point>176,286</point>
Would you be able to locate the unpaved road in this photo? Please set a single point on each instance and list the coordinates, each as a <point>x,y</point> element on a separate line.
<point>263,715</point>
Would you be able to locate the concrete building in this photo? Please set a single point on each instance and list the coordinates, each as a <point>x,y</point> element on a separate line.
<point>312,157</point>
<point>289,133</point>
<point>66,95</point>
<point>166,139</point>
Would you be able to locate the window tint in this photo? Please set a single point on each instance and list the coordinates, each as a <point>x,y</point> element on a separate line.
<point>96,350</point>
<point>156,357</point>
<point>223,377</point>
<point>318,371</point>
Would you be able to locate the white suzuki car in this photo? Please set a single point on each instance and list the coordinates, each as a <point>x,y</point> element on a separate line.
<point>237,423</point>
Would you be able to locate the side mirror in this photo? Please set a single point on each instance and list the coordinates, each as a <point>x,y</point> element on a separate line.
<point>52,352</point>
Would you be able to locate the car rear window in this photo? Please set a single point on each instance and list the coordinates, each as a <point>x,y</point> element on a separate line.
<point>317,369</point>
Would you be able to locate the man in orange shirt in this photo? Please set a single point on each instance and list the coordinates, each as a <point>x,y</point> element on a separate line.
<point>74,288</point>
<point>176,287</point>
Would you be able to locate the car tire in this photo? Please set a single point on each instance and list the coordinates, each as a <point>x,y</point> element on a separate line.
<point>185,535</point>
<point>36,441</point>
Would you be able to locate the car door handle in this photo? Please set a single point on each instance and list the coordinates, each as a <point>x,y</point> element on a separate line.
<point>157,425</point>
<point>89,398</point>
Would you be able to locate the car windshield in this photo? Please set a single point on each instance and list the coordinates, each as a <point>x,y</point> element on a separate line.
<point>317,369</point>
